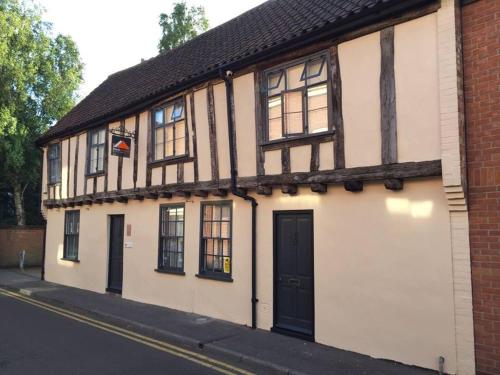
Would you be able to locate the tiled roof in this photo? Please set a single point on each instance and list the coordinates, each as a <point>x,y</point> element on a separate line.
<point>266,27</point>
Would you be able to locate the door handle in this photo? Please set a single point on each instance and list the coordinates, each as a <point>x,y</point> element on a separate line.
<point>295,282</point>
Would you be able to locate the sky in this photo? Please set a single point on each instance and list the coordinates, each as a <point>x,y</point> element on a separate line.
<point>115,34</point>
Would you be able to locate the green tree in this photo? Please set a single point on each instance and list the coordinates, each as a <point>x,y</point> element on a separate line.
<point>181,25</point>
<point>39,76</point>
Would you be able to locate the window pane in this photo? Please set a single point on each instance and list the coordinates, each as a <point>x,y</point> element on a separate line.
<point>169,148</point>
<point>159,117</point>
<point>216,212</point>
<point>180,229</point>
<point>274,114</point>
<point>207,229</point>
<point>171,228</point>
<point>293,112</point>
<point>180,130</point>
<point>215,229</point>
<point>169,110</point>
<point>180,213</point>
<point>275,129</point>
<point>159,143</point>
<point>226,212</point>
<point>294,75</point>
<point>317,109</point>
<point>100,164</point>
<point>275,83</point>
<point>207,214</point>
<point>101,135</point>
<point>95,138</point>
<point>180,146</point>
<point>224,233</point>
<point>227,249</point>
<point>210,247</point>
<point>316,71</point>
<point>178,111</point>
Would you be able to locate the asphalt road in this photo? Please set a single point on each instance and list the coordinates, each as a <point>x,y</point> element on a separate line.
<point>37,341</point>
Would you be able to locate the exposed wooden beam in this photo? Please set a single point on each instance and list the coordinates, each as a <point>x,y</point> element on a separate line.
<point>136,149</point>
<point>75,167</point>
<point>193,130</point>
<point>212,133</point>
<point>122,199</point>
<point>219,192</point>
<point>264,190</point>
<point>87,200</point>
<point>151,195</point>
<point>314,165</point>
<point>165,194</point>
<point>138,197</point>
<point>109,200</point>
<point>388,97</point>
<point>106,157</point>
<point>318,188</point>
<point>98,200</point>
<point>285,160</point>
<point>394,184</point>
<point>259,125</point>
<point>182,194</point>
<point>289,189</point>
<point>338,119</point>
<point>353,186</point>
<point>201,193</point>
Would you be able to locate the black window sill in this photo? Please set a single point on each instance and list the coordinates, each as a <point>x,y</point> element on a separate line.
<point>95,174</point>
<point>211,276</point>
<point>171,160</point>
<point>172,272</point>
<point>71,260</point>
<point>298,140</point>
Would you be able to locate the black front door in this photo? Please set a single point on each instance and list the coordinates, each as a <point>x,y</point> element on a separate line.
<point>293,273</point>
<point>115,274</point>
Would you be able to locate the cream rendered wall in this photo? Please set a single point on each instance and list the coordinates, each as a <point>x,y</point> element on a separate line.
<point>91,272</point>
<point>100,184</point>
<point>383,273</point>
<point>71,169</point>
<point>202,135</point>
<point>142,150</point>
<point>112,162</point>
<point>189,172</point>
<point>244,113</point>
<point>128,163</point>
<point>300,158</point>
<point>272,162</point>
<point>82,158</point>
<point>326,156</point>
<point>417,89</point>
<point>156,176</point>
<point>188,292</point>
<point>171,174</point>
<point>64,168</point>
<point>221,130</point>
<point>361,100</point>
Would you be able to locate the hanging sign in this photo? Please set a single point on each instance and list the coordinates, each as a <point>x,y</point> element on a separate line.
<point>120,146</point>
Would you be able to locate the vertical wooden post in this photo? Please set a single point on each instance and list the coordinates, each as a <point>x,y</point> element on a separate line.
<point>338,120</point>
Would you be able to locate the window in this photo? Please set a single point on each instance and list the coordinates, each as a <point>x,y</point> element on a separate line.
<point>297,99</point>
<point>171,247</point>
<point>71,234</point>
<point>169,131</point>
<point>216,248</point>
<point>97,143</point>
<point>54,163</point>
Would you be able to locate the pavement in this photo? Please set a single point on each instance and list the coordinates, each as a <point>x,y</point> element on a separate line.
<point>256,349</point>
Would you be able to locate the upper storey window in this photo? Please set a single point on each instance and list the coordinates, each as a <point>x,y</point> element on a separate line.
<point>297,98</point>
<point>169,131</point>
<point>54,163</point>
<point>97,142</point>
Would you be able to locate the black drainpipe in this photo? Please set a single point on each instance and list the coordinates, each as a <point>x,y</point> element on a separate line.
<point>228,79</point>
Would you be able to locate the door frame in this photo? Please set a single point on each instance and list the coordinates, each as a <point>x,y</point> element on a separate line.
<point>108,289</point>
<point>274,328</point>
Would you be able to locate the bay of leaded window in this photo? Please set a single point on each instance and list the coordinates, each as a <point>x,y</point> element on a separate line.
<point>171,247</point>
<point>216,244</point>
<point>169,133</point>
<point>54,163</point>
<point>71,234</point>
<point>97,143</point>
<point>297,99</point>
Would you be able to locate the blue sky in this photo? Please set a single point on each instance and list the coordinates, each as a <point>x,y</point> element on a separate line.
<point>115,34</point>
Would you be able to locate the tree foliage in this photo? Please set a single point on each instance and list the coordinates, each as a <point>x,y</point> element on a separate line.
<point>39,76</point>
<point>181,25</point>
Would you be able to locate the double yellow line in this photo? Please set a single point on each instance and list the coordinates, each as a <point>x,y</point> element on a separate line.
<point>177,351</point>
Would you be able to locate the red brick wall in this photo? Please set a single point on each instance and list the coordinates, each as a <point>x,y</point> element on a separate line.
<point>15,239</point>
<point>481,48</point>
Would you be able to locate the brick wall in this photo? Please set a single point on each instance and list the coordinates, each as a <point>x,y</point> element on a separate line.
<point>481,53</point>
<point>15,239</point>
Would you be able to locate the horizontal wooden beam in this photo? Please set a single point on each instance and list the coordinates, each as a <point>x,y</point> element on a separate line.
<point>138,197</point>
<point>182,194</point>
<point>151,195</point>
<point>289,189</point>
<point>263,184</point>
<point>201,193</point>
<point>318,188</point>
<point>353,186</point>
<point>394,184</point>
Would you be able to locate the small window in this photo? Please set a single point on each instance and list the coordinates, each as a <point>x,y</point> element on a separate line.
<point>297,99</point>
<point>216,246</point>
<point>71,234</point>
<point>54,163</point>
<point>97,143</point>
<point>171,248</point>
<point>169,131</point>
